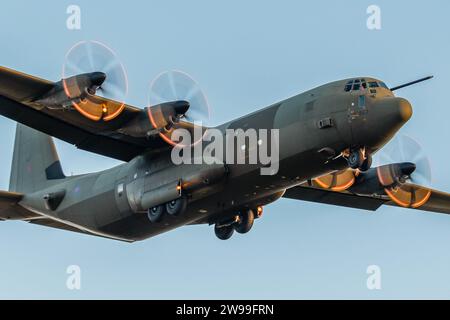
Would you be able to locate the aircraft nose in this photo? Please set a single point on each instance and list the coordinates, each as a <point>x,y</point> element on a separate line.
<point>396,110</point>
<point>384,118</point>
<point>404,109</point>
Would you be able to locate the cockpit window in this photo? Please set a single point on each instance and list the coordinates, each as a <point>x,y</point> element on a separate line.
<point>356,84</point>
<point>362,84</point>
<point>383,85</point>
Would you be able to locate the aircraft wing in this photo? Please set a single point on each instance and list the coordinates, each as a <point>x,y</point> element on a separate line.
<point>24,98</point>
<point>426,199</point>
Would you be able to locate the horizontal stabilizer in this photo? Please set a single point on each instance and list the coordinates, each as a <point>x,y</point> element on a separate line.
<point>9,207</point>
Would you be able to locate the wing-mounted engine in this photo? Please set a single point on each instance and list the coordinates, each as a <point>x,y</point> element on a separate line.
<point>403,177</point>
<point>175,102</point>
<point>375,180</point>
<point>74,90</point>
<point>94,83</point>
<point>188,110</point>
<point>396,181</point>
<point>159,119</point>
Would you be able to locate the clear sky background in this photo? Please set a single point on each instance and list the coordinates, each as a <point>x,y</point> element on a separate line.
<point>245,55</point>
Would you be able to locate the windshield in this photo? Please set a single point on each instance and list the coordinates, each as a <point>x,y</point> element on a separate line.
<point>362,84</point>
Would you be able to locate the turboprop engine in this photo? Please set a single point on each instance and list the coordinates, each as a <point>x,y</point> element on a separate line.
<point>376,180</point>
<point>72,90</point>
<point>157,119</point>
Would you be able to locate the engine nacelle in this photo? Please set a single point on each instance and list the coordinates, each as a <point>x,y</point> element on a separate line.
<point>155,119</point>
<point>376,180</point>
<point>73,89</point>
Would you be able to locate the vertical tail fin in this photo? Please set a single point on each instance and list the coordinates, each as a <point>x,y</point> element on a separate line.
<point>35,163</point>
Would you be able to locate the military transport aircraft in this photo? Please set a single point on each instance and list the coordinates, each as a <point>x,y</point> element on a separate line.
<point>327,137</point>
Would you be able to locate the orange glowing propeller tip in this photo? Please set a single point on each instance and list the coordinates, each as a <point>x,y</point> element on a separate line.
<point>423,201</point>
<point>340,181</point>
<point>344,186</point>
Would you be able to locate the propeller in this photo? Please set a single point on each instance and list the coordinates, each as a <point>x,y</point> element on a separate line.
<point>106,77</point>
<point>179,89</point>
<point>337,181</point>
<point>404,171</point>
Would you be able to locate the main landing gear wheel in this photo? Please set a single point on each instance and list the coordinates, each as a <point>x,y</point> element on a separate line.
<point>224,233</point>
<point>155,214</point>
<point>245,222</point>
<point>177,206</point>
<point>358,159</point>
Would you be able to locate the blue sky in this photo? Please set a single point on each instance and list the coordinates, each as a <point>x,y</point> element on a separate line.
<point>245,55</point>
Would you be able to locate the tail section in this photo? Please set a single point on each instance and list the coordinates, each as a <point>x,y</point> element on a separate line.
<point>35,162</point>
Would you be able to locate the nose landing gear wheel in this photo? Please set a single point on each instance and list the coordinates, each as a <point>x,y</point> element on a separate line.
<point>177,206</point>
<point>155,214</point>
<point>224,233</point>
<point>245,223</point>
<point>358,159</point>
